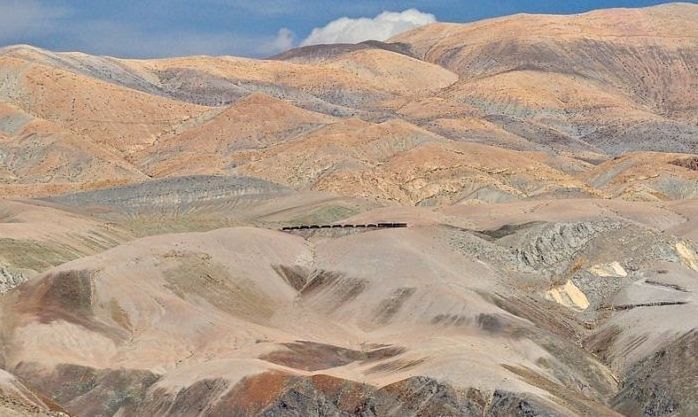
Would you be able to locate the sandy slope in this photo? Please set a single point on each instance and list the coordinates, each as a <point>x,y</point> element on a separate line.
<point>581,88</point>
<point>608,66</point>
<point>376,308</point>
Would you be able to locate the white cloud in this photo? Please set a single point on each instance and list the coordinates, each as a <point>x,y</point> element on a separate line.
<point>380,28</point>
<point>285,39</point>
<point>54,24</point>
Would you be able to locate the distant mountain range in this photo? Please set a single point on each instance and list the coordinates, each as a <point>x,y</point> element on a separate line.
<point>602,104</point>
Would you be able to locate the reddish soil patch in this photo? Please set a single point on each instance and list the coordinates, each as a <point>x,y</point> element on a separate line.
<point>311,356</point>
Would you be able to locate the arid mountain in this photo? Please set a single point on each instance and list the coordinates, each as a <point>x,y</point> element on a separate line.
<point>544,169</point>
<point>564,307</point>
<point>581,89</point>
<point>611,78</point>
<point>256,121</point>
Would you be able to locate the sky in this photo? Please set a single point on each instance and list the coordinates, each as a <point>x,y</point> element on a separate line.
<point>255,28</point>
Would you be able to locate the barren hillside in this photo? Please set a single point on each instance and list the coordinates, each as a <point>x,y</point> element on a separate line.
<point>544,169</point>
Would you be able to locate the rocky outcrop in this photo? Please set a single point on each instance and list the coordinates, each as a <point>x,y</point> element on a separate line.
<point>664,384</point>
<point>275,394</point>
<point>556,244</point>
<point>88,392</point>
<point>17,400</point>
<point>178,192</point>
<point>10,278</point>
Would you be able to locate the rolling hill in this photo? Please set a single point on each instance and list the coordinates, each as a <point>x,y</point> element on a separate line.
<point>544,166</point>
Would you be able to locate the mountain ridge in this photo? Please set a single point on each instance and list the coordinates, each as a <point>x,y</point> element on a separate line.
<point>526,101</point>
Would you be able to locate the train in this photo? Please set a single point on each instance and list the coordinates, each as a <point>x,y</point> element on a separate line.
<point>382,225</point>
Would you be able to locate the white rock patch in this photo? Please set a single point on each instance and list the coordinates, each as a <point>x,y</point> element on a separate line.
<point>613,269</point>
<point>688,255</point>
<point>568,295</point>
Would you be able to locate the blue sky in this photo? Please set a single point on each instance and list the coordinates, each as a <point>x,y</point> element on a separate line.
<point>156,28</point>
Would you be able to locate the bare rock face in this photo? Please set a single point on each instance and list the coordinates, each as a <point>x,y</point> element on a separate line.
<point>181,192</point>
<point>275,394</point>
<point>661,385</point>
<point>16,400</point>
<point>10,279</point>
<point>89,392</point>
<point>558,243</point>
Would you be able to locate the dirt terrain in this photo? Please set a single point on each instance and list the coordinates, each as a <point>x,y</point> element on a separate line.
<point>500,110</point>
<point>544,166</point>
<point>563,307</point>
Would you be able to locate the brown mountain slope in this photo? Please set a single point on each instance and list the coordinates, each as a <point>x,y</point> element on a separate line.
<point>641,59</point>
<point>121,118</point>
<point>37,235</point>
<point>453,316</point>
<point>38,155</point>
<point>581,89</point>
<point>647,176</point>
<point>597,45</point>
<point>16,400</point>
<point>195,315</point>
<point>337,86</point>
<point>396,160</point>
<point>256,121</point>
